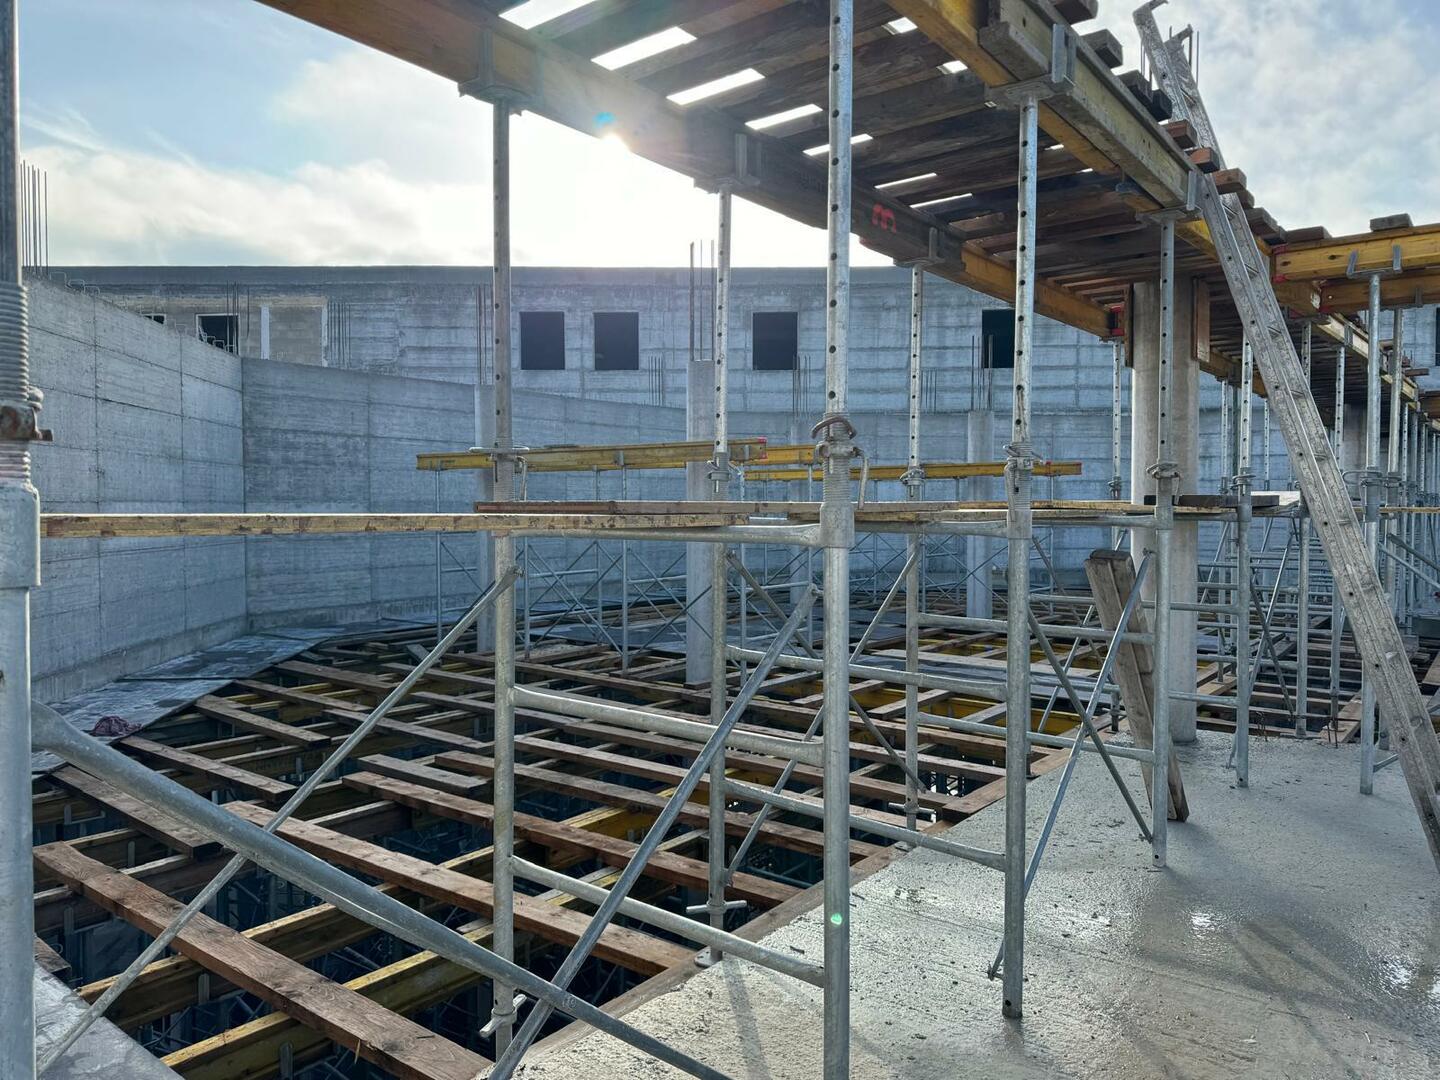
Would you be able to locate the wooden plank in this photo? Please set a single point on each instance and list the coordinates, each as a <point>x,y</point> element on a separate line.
<point>221,709</point>
<point>302,697</point>
<point>1419,250</point>
<point>110,526</point>
<point>153,822</point>
<point>631,949</point>
<point>1112,580</point>
<point>359,680</point>
<point>468,786</point>
<point>672,455</point>
<point>376,1034</point>
<point>50,960</point>
<point>791,837</point>
<point>861,787</point>
<point>414,983</point>
<point>559,836</point>
<point>222,773</point>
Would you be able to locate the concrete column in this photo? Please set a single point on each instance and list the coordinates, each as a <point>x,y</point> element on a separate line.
<point>699,425</point>
<point>1185,447</point>
<point>980,446</point>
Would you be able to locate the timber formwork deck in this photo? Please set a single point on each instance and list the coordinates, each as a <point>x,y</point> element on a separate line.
<point>269,981</point>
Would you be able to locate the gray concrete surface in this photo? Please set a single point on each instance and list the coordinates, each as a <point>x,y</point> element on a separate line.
<point>102,1053</point>
<point>321,440</point>
<point>1296,936</point>
<point>144,419</point>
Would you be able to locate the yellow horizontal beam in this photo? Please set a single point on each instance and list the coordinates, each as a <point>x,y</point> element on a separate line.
<point>1345,297</point>
<point>1419,250</point>
<point>664,455</point>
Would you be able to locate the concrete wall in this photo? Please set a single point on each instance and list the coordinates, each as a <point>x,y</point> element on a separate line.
<point>345,441</point>
<point>150,420</point>
<point>144,419</point>
<point>373,365</point>
<point>428,322</point>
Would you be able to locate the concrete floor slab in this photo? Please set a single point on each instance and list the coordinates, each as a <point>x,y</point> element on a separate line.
<point>1296,935</point>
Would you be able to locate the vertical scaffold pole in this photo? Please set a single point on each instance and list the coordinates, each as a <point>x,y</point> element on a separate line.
<point>837,520</point>
<point>502,1016</point>
<point>1019,469</point>
<point>1226,440</point>
<point>19,573</point>
<point>914,480</point>
<point>1394,462</point>
<point>1166,472</point>
<point>719,605</point>
<point>1244,669</point>
<point>1417,537</point>
<point>1371,491</point>
<point>1337,608</point>
<point>1302,584</point>
<point>1117,414</point>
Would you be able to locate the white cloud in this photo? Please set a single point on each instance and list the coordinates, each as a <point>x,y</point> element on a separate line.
<point>1326,107</point>
<point>1323,105</point>
<point>400,173</point>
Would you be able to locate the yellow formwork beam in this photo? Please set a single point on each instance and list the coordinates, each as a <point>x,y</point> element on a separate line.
<point>1419,250</point>
<point>611,456</point>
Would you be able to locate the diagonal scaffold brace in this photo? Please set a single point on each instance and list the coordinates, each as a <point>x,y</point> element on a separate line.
<point>1382,649</point>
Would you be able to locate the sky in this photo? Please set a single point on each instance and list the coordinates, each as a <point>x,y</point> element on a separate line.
<point>224,132</point>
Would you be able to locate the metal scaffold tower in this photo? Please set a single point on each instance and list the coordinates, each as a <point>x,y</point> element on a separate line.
<point>1351,553</point>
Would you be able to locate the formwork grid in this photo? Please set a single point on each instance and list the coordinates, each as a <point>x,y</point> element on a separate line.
<point>723,754</point>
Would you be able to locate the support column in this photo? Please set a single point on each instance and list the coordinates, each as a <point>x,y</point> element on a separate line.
<point>1371,491</point>
<point>1019,471</point>
<point>1346,454</point>
<point>1302,577</point>
<point>1244,477</point>
<point>1184,450</point>
<point>19,573</point>
<point>1167,476</point>
<point>837,523</point>
<point>719,608</point>
<point>502,1017</point>
<point>1394,461</point>
<point>914,484</point>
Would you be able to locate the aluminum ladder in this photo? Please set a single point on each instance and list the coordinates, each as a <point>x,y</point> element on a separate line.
<point>1367,605</point>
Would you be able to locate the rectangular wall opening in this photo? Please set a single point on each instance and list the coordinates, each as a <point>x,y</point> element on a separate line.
<point>775,340</point>
<point>997,338</point>
<point>617,341</point>
<point>222,331</point>
<point>542,341</point>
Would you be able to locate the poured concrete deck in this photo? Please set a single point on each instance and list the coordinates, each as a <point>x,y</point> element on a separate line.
<point>1296,934</point>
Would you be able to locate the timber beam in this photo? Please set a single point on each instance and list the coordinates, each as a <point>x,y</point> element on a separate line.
<point>1418,246</point>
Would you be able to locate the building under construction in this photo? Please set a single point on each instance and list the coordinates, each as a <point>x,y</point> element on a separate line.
<point>1018,662</point>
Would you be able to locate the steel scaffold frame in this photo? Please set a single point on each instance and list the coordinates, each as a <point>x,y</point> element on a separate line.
<point>834,535</point>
